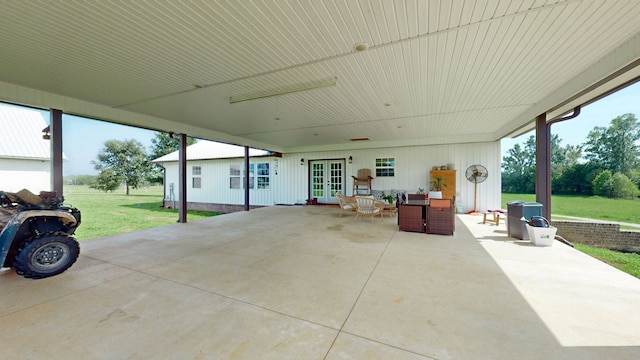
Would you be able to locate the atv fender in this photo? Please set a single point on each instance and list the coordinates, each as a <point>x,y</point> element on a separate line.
<point>13,226</point>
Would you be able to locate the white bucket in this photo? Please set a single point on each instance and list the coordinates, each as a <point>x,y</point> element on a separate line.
<point>541,236</point>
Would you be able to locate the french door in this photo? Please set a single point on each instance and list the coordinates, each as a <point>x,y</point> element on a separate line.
<point>326,178</point>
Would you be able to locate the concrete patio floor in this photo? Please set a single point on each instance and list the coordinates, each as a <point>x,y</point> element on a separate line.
<point>301,283</point>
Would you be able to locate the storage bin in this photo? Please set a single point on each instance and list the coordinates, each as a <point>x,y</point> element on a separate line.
<point>516,210</point>
<point>541,236</point>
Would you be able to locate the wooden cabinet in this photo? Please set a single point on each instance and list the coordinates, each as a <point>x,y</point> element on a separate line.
<point>449,179</point>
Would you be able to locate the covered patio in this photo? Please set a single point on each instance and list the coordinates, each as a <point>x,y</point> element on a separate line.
<point>292,282</point>
<point>319,80</point>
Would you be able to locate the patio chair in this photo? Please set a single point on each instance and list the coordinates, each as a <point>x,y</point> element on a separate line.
<point>441,217</point>
<point>362,182</point>
<point>368,206</point>
<point>346,203</point>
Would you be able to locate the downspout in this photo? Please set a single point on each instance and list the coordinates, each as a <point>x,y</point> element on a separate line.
<point>576,112</point>
<point>164,185</point>
<point>543,159</point>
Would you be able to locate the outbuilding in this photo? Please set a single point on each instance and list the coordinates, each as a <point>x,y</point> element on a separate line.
<point>25,154</point>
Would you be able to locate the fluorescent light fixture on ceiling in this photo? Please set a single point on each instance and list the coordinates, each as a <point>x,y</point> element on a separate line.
<point>299,88</point>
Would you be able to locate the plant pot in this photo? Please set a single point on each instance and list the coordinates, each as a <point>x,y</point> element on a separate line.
<point>435,194</point>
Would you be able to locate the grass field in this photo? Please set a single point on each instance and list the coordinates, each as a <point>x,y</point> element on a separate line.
<point>629,263</point>
<point>592,207</point>
<point>114,213</point>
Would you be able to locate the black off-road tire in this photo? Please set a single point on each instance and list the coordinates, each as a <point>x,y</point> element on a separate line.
<point>46,255</point>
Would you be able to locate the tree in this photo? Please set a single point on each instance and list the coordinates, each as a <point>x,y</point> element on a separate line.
<point>79,179</point>
<point>519,167</point>
<point>576,179</point>
<point>603,184</point>
<point>84,179</point>
<point>106,181</point>
<point>518,174</point>
<point>163,144</point>
<point>634,176</point>
<point>623,187</point>
<point>615,148</point>
<point>616,185</point>
<point>573,153</point>
<point>563,157</point>
<point>125,159</point>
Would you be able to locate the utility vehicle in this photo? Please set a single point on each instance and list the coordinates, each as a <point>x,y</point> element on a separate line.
<point>36,233</point>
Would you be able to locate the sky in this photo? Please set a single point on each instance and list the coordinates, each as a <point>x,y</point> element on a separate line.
<point>84,138</point>
<point>600,113</point>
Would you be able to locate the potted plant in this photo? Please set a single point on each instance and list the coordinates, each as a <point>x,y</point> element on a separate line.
<point>419,195</point>
<point>435,187</point>
<point>390,199</point>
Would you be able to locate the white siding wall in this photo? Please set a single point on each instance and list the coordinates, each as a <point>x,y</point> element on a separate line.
<point>18,174</point>
<point>215,184</point>
<point>289,179</point>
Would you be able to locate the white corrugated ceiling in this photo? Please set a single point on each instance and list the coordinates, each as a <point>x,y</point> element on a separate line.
<point>451,71</point>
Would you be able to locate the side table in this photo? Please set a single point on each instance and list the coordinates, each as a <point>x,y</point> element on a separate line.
<point>412,216</point>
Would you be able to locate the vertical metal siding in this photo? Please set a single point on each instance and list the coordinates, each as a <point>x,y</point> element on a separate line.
<point>215,182</point>
<point>18,174</point>
<point>289,182</point>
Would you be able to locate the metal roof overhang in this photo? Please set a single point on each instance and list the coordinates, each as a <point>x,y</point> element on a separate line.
<point>433,72</point>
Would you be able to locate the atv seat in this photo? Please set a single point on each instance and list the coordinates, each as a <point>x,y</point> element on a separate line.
<point>28,197</point>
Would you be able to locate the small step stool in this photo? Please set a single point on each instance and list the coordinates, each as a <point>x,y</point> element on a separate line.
<point>493,216</point>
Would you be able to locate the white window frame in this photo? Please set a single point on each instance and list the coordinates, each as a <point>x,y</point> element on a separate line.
<point>235,171</point>
<point>196,180</point>
<point>385,167</point>
<point>263,180</point>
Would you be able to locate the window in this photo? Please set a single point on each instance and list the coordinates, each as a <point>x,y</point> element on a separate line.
<point>196,181</point>
<point>263,175</point>
<point>236,180</point>
<point>385,167</point>
<point>235,176</point>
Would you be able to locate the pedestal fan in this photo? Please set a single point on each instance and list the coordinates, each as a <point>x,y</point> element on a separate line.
<point>476,174</point>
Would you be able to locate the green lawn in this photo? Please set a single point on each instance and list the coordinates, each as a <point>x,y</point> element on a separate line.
<point>592,207</point>
<point>114,213</point>
<point>629,263</point>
